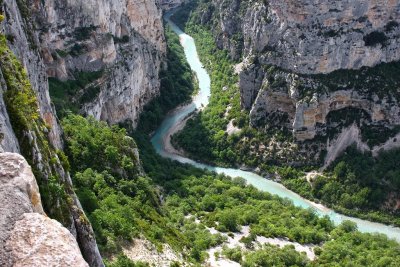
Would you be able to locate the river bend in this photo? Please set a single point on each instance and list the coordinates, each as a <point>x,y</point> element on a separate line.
<point>161,142</point>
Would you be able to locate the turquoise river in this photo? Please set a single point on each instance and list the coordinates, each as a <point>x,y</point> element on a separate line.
<point>176,117</point>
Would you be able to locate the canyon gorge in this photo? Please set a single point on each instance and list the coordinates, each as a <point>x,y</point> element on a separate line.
<point>316,77</point>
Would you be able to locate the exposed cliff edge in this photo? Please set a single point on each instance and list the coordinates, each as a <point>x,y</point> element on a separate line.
<point>315,67</point>
<point>29,125</point>
<point>124,39</point>
<point>28,237</point>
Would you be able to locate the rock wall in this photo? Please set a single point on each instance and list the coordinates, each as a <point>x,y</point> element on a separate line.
<point>129,86</point>
<point>311,36</point>
<point>295,54</point>
<point>27,236</point>
<point>23,42</point>
<point>125,38</point>
<point>281,92</point>
<point>8,140</point>
<point>37,134</point>
<point>170,4</point>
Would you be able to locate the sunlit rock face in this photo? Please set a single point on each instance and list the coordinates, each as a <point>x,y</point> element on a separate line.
<point>123,38</point>
<point>27,236</point>
<point>294,55</point>
<point>312,36</point>
<point>39,141</point>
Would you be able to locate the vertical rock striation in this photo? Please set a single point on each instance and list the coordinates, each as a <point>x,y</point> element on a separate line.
<point>306,62</point>
<point>30,127</point>
<point>124,38</point>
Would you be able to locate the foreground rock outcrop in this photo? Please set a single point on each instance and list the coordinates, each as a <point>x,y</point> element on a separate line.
<point>27,236</point>
<point>29,124</point>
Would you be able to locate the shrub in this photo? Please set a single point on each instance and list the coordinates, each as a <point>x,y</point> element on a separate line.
<point>375,38</point>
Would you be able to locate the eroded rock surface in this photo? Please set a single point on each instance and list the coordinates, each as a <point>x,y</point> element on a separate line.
<point>309,66</point>
<point>123,38</point>
<point>37,240</point>
<point>27,236</point>
<point>310,36</point>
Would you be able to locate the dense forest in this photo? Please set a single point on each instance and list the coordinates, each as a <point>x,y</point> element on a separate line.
<point>360,189</point>
<point>122,202</point>
<point>131,192</point>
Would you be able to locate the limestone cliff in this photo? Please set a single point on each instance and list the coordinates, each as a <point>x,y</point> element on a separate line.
<point>311,36</point>
<point>170,4</point>
<point>314,67</point>
<point>29,125</point>
<point>27,236</point>
<point>124,38</point>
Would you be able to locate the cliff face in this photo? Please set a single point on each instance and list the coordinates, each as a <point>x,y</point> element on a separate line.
<point>124,38</point>
<point>27,236</point>
<point>170,4</point>
<point>323,36</point>
<point>29,124</point>
<point>306,64</point>
<point>312,36</point>
<point>23,42</point>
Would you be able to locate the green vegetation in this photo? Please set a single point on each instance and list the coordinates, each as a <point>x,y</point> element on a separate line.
<point>357,184</point>
<point>122,204</point>
<point>68,96</point>
<point>371,134</point>
<point>31,131</point>
<point>383,79</point>
<point>228,204</point>
<point>391,25</point>
<point>205,138</point>
<point>119,199</point>
<point>269,255</point>
<point>177,85</point>
<point>124,261</point>
<point>83,33</point>
<point>351,248</point>
<point>122,40</point>
<point>375,38</point>
<point>379,134</point>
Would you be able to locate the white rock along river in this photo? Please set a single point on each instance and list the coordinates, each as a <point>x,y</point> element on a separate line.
<point>173,122</point>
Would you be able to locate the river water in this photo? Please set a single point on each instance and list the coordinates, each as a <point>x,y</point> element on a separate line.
<point>201,100</point>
